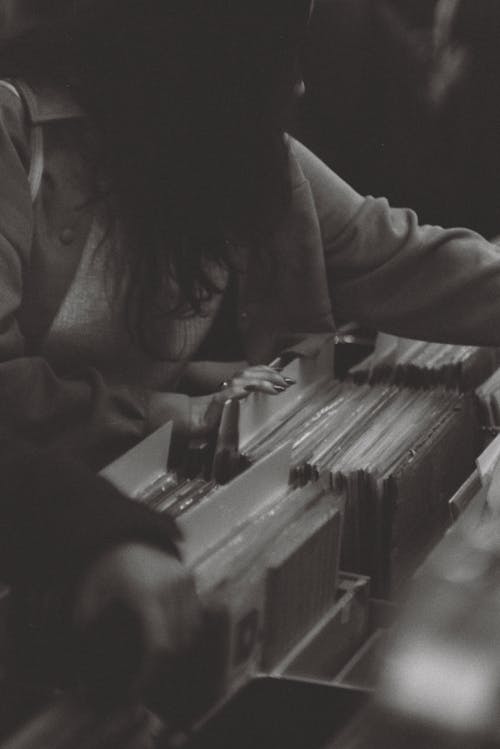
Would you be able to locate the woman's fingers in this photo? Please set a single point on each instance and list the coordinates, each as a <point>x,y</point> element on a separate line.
<point>240,387</point>
<point>256,385</point>
<point>263,373</point>
<point>260,379</point>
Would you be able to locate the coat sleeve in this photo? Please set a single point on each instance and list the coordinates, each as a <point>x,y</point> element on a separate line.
<point>56,516</point>
<point>82,415</point>
<point>387,271</point>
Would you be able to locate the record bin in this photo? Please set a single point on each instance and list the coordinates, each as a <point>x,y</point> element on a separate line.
<point>281,713</point>
<point>348,635</point>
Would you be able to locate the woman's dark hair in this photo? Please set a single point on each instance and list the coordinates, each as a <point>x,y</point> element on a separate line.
<point>190,97</point>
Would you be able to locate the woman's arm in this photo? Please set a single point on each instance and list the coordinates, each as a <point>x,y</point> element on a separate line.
<point>387,271</point>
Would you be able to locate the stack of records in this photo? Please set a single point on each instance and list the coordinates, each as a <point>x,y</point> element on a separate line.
<point>398,453</point>
<point>419,364</point>
<point>275,576</point>
<point>143,474</point>
<point>176,495</point>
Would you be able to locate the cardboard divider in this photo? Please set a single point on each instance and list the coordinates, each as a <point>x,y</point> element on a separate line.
<point>143,465</point>
<point>207,524</point>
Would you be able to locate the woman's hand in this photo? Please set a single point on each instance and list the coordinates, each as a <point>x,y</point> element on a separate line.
<point>206,410</point>
<point>259,378</point>
<point>135,608</point>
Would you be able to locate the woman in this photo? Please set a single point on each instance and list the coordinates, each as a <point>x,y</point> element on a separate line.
<point>130,339</point>
<point>174,236</point>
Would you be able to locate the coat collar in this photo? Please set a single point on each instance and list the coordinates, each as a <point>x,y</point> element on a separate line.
<point>47,103</point>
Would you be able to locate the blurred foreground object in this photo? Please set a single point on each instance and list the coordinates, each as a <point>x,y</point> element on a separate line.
<point>442,672</point>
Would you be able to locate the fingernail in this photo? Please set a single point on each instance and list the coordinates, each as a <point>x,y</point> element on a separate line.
<point>289,381</point>
<point>279,388</point>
